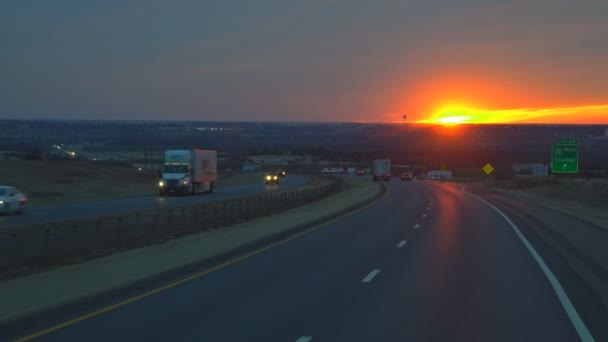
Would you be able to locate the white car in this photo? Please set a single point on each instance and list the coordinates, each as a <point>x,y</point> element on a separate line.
<point>11,200</point>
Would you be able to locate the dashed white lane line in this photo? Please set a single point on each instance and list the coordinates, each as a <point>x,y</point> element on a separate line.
<point>417,225</point>
<point>401,243</point>
<point>428,208</point>
<point>368,278</point>
<point>576,320</point>
<point>423,216</point>
<point>304,339</point>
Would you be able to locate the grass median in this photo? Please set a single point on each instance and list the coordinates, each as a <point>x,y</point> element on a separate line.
<point>37,293</point>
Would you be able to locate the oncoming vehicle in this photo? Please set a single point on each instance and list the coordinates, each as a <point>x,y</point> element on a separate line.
<point>188,172</point>
<point>271,178</point>
<point>11,200</point>
<point>281,173</point>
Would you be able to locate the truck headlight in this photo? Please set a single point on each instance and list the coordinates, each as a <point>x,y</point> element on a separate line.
<point>275,177</point>
<point>161,183</point>
<point>268,178</point>
<point>185,182</point>
<point>1,202</point>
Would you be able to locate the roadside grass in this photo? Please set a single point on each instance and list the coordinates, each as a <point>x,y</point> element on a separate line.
<point>60,182</point>
<point>589,192</point>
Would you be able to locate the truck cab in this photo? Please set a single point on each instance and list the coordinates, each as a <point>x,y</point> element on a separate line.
<point>175,178</point>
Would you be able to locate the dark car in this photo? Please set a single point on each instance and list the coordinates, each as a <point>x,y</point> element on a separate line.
<point>271,178</point>
<point>407,176</point>
<point>281,173</point>
<point>360,173</point>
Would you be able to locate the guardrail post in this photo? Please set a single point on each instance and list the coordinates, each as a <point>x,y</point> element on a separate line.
<point>205,220</point>
<point>183,225</point>
<point>240,215</point>
<point>194,226</point>
<point>138,220</point>
<point>118,233</point>
<point>170,218</point>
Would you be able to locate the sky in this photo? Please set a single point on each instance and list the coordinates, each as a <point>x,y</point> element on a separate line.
<point>523,61</point>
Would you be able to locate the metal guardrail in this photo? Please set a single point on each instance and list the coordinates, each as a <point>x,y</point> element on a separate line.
<point>44,245</point>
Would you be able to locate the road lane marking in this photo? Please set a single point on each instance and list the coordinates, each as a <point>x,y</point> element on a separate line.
<point>423,215</point>
<point>401,243</point>
<point>573,315</point>
<point>368,278</point>
<point>428,208</point>
<point>417,225</point>
<point>176,283</point>
<point>304,339</point>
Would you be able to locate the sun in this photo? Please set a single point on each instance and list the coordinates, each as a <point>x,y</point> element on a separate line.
<point>452,115</point>
<point>453,120</point>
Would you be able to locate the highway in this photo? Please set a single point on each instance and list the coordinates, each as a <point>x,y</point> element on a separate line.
<point>428,262</point>
<point>44,214</point>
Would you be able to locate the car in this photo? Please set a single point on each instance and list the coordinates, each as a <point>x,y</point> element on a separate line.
<point>360,173</point>
<point>406,176</point>
<point>281,173</point>
<point>271,178</point>
<point>12,200</point>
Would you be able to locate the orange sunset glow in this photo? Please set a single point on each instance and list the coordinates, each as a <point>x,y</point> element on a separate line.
<point>472,96</point>
<point>456,114</point>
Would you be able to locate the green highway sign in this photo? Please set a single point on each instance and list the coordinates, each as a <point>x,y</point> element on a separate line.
<point>567,141</point>
<point>564,158</point>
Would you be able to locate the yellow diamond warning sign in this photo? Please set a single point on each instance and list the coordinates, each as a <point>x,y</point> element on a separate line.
<point>488,168</point>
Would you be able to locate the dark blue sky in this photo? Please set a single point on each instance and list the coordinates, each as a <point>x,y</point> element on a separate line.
<point>322,60</point>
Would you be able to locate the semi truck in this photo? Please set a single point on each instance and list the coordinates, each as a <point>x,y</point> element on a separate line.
<point>381,169</point>
<point>188,172</point>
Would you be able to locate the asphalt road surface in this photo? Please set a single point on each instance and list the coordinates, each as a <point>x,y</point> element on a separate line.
<point>43,214</point>
<point>428,262</point>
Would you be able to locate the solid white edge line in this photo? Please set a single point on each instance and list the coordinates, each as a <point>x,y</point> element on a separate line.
<point>401,243</point>
<point>573,315</point>
<point>417,225</point>
<point>368,278</point>
<point>304,339</point>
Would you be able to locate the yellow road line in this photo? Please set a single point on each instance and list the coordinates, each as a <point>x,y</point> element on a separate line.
<point>192,277</point>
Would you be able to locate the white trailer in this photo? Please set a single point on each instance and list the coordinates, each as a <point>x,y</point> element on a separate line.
<point>188,171</point>
<point>381,169</point>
